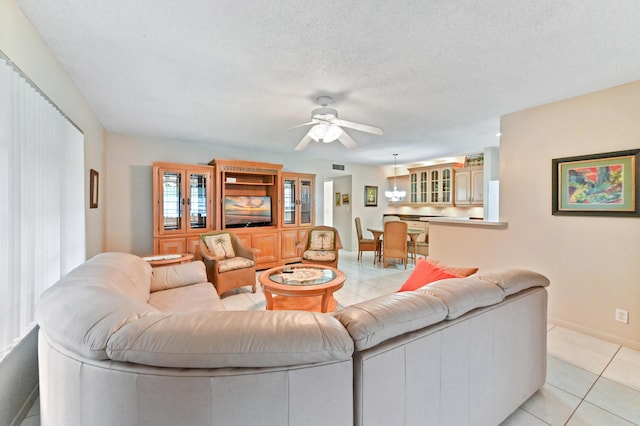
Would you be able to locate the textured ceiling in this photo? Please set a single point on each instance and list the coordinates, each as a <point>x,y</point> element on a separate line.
<point>434,75</point>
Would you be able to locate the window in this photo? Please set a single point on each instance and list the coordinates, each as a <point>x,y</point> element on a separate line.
<point>42,234</point>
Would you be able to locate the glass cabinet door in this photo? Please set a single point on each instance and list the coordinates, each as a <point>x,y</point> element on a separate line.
<point>171,200</point>
<point>289,197</point>
<point>446,185</point>
<point>305,202</point>
<point>198,201</point>
<point>414,187</point>
<point>423,187</point>
<point>434,191</point>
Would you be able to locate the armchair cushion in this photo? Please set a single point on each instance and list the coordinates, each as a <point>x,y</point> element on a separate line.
<point>319,255</point>
<point>322,240</point>
<point>234,263</point>
<point>221,245</point>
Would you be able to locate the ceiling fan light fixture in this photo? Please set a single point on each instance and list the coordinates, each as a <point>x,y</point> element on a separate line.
<point>332,133</point>
<point>318,132</point>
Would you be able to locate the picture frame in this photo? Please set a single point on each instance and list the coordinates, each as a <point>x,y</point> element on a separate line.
<point>338,198</point>
<point>370,196</point>
<point>345,199</point>
<point>604,184</point>
<point>94,181</point>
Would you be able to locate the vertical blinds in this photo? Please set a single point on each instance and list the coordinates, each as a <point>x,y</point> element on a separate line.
<point>42,232</point>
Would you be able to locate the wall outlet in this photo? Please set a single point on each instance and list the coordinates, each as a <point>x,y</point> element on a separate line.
<point>622,316</point>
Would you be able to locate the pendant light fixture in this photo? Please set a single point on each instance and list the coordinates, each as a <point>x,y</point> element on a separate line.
<point>395,195</point>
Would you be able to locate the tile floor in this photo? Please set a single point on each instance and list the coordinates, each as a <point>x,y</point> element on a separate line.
<point>589,381</point>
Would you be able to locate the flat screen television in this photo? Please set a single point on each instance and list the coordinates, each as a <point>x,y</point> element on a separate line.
<point>247,211</point>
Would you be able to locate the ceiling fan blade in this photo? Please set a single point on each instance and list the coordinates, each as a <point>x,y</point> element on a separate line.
<point>357,126</point>
<point>347,140</point>
<point>300,125</point>
<point>304,142</point>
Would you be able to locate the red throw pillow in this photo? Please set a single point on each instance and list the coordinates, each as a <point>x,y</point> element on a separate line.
<point>425,273</point>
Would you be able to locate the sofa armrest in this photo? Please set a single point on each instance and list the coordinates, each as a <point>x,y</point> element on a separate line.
<point>173,276</point>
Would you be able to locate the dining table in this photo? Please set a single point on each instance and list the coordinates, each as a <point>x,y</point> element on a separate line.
<point>413,233</point>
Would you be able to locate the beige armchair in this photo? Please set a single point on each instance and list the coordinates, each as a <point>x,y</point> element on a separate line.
<point>395,242</point>
<point>230,263</point>
<point>364,244</point>
<point>322,246</point>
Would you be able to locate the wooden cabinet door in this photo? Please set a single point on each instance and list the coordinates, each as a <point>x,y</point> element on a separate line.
<point>463,187</point>
<point>193,247</point>
<point>267,244</point>
<point>289,251</point>
<point>171,245</point>
<point>477,187</point>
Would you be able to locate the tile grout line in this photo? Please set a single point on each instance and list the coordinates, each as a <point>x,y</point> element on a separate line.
<point>592,386</point>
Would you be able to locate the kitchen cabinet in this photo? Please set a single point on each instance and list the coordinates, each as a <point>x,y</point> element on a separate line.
<point>469,186</point>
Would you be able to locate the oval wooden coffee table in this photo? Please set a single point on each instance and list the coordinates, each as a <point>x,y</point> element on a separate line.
<point>301,287</point>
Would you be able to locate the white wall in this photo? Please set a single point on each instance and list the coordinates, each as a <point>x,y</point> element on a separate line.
<point>342,214</point>
<point>129,162</point>
<point>593,262</point>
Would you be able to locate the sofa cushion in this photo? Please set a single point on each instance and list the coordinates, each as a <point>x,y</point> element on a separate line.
<point>173,276</point>
<point>322,239</point>
<point>319,255</point>
<point>220,244</point>
<point>514,280</point>
<point>232,339</point>
<point>424,273</point>
<point>388,316</point>
<point>195,297</point>
<point>462,295</point>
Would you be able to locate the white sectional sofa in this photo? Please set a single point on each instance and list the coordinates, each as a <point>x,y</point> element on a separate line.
<point>120,343</point>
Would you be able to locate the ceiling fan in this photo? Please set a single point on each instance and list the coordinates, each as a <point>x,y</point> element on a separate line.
<point>328,127</point>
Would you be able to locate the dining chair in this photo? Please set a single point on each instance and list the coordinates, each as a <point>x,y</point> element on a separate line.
<point>395,242</point>
<point>422,244</point>
<point>364,244</point>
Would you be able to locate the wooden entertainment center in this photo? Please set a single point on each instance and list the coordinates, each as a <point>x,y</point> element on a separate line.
<point>189,200</point>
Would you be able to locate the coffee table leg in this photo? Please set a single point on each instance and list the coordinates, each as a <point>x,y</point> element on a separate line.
<point>268,297</point>
<point>326,298</point>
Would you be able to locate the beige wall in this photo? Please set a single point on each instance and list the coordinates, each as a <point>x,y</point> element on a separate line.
<point>129,189</point>
<point>22,44</point>
<point>593,262</point>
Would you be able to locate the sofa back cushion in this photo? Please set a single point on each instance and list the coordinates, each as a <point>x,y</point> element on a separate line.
<point>232,339</point>
<point>514,280</point>
<point>388,316</point>
<point>83,309</point>
<point>462,295</point>
<point>168,277</point>
<point>121,272</point>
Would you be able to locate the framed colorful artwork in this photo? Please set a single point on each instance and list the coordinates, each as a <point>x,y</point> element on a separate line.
<point>370,196</point>
<point>345,199</point>
<point>338,198</point>
<point>596,185</point>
